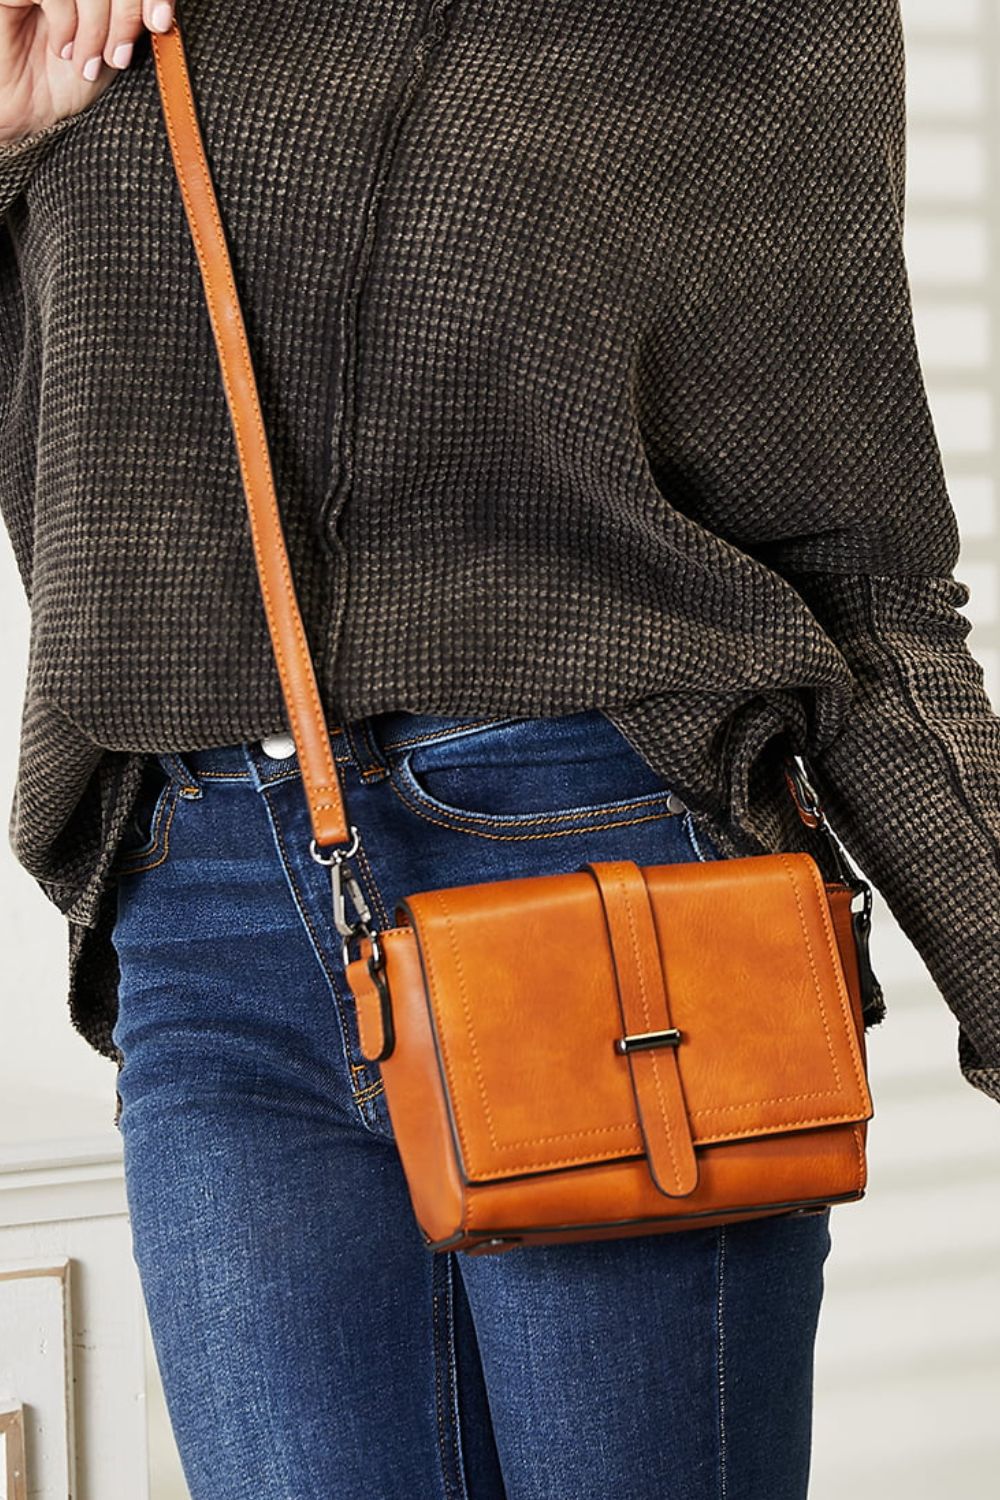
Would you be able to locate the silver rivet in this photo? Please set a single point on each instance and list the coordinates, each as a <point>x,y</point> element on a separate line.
<point>675,804</point>
<point>278,746</point>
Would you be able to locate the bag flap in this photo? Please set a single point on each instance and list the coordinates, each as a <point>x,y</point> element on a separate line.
<point>521,985</point>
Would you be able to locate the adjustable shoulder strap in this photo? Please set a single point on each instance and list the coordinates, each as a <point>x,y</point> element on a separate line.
<point>284,620</point>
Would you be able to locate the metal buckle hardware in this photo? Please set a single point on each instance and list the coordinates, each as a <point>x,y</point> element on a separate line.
<point>642,1041</point>
<point>811,811</point>
<point>343,878</point>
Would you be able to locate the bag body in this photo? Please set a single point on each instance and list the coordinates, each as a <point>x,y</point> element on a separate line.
<point>499,1017</point>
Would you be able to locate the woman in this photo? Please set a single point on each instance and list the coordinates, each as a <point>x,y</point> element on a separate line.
<point>584,344</point>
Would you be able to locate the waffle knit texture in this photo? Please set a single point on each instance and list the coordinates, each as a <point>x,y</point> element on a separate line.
<point>586,355</point>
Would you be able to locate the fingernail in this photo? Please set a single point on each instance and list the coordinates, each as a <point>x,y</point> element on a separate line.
<point>91,68</point>
<point>162,16</point>
<point>122,55</point>
<point>67,51</point>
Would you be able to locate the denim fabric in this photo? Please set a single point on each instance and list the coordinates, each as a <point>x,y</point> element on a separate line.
<point>310,1346</point>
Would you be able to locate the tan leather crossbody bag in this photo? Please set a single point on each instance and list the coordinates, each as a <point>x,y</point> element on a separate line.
<point>617,1050</point>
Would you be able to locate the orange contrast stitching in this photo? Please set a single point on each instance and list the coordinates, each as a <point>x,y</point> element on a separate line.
<point>664,1116</point>
<point>127,867</point>
<point>456,826</point>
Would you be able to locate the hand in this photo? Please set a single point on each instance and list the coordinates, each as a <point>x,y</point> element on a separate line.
<point>57,56</point>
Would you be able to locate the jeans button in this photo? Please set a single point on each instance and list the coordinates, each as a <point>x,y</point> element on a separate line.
<point>278,746</point>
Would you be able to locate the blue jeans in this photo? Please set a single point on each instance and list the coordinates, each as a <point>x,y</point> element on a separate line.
<point>310,1346</point>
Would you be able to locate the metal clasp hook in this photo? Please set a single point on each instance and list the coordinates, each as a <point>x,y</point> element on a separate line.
<point>805,794</point>
<point>812,813</point>
<point>343,879</point>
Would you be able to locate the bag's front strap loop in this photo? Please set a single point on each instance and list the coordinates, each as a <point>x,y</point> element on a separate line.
<point>649,1040</point>
<point>307,719</point>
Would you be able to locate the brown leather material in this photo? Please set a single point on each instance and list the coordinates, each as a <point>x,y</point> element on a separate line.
<point>284,619</point>
<point>513,1114</point>
<point>772,1170</point>
<point>840,911</point>
<point>367,1001</point>
<point>418,1105</point>
<point>642,996</point>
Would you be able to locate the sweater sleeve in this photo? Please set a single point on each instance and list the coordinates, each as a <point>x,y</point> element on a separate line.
<point>912,784</point>
<point>912,778</point>
<point>799,428</point>
<point>19,158</point>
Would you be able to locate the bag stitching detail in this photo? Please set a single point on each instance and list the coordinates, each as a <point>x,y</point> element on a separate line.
<point>843,1117</point>
<point>718,1109</point>
<point>623,892</point>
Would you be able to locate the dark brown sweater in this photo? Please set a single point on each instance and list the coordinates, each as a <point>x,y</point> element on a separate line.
<point>586,353</point>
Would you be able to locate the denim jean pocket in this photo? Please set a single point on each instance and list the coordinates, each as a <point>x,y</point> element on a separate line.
<point>146,840</point>
<point>518,777</point>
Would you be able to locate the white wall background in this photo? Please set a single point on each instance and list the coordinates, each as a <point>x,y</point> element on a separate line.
<point>908,1362</point>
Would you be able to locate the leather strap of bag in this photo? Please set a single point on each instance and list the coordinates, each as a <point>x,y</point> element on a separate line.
<point>649,1040</point>
<point>307,719</point>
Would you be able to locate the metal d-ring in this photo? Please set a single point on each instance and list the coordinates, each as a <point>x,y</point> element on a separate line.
<point>376,959</point>
<point>339,855</point>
